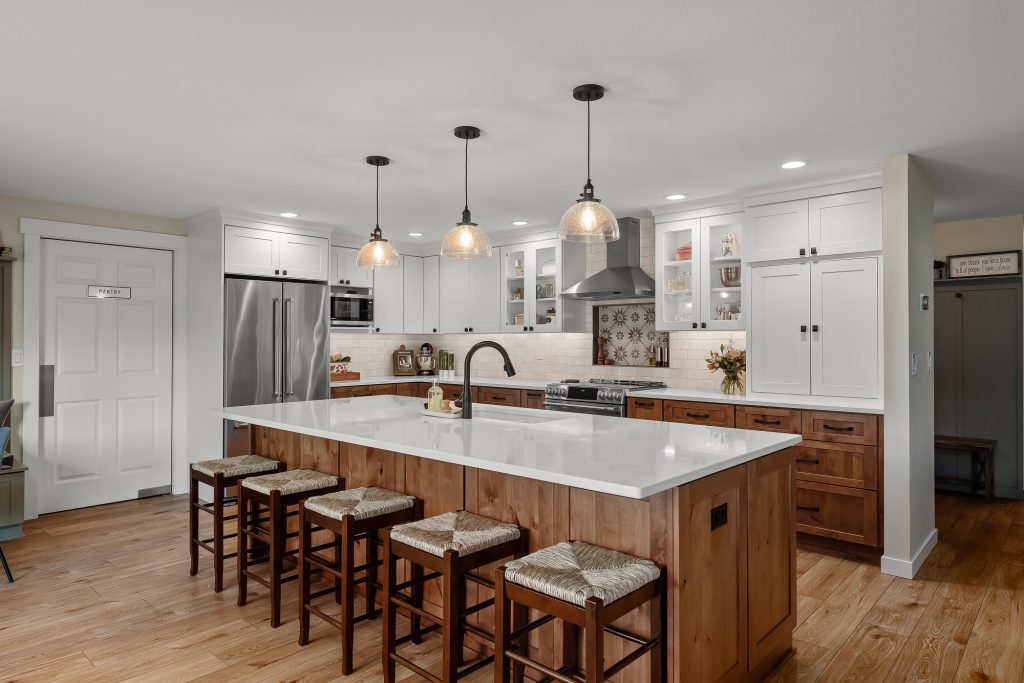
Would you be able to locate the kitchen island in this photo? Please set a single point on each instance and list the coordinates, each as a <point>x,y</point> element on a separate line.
<point>714,505</point>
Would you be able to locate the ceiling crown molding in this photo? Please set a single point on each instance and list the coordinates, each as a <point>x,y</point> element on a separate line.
<point>813,186</point>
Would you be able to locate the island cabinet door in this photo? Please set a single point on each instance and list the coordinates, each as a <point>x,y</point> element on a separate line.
<point>711,583</point>
<point>644,408</point>
<point>771,560</point>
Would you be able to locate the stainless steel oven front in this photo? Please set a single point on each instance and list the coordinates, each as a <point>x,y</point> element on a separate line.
<point>351,307</point>
<point>585,407</point>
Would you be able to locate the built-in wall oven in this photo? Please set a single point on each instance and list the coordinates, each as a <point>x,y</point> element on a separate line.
<point>595,397</point>
<point>351,307</point>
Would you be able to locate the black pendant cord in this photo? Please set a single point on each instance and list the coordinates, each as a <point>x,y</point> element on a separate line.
<point>466,174</point>
<point>377,222</point>
<point>588,143</point>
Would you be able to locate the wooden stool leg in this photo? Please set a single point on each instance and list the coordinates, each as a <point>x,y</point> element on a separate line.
<point>277,524</point>
<point>520,618</point>
<point>502,628</point>
<point>242,559</point>
<point>372,575</point>
<point>218,533</point>
<point>988,456</point>
<point>337,565</point>
<point>305,543</point>
<point>451,584</point>
<point>659,630</point>
<point>570,647</point>
<point>388,640</point>
<point>594,635</point>
<point>416,575</point>
<point>347,595</point>
<point>193,525</point>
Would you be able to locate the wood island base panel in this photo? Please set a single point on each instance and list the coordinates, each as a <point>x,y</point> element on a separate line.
<point>728,542</point>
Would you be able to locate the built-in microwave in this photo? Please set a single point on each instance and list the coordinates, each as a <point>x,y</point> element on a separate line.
<point>351,307</point>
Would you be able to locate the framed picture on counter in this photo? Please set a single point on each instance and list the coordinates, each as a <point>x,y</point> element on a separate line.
<point>403,362</point>
<point>992,264</point>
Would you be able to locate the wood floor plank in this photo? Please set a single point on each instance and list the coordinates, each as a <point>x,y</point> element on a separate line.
<point>995,651</point>
<point>804,666</point>
<point>824,577</point>
<point>867,655</point>
<point>838,616</point>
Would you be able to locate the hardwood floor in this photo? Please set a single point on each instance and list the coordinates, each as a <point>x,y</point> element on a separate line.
<point>103,594</point>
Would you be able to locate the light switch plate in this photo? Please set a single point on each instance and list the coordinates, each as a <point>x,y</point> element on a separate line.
<point>17,358</point>
<point>925,302</point>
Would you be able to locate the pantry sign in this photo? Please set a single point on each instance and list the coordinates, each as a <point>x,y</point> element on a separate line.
<point>983,265</point>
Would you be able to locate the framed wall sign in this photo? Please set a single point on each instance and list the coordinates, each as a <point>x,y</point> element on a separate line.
<point>991,264</point>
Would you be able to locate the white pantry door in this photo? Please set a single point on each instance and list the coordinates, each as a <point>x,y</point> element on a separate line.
<point>106,423</point>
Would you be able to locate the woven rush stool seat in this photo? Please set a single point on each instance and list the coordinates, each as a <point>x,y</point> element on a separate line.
<point>588,588</point>
<point>272,499</point>
<point>239,465</point>
<point>221,474</point>
<point>352,516</point>
<point>453,547</point>
<point>573,571</point>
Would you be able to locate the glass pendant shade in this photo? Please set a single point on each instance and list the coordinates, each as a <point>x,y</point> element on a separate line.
<point>588,220</point>
<point>377,253</point>
<point>466,241</point>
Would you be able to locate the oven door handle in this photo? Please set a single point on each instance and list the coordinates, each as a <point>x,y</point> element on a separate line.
<point>581,406</point>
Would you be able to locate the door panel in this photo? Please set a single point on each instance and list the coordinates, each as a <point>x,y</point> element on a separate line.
<point>353,274</point>
<point>847,223</point>
<point>454,297</point>
<point>779,314</point>
<point>844,307</point>
<point>252,320</point>
<point>776,231</point>
<point>304,258</point>
<point>248,251</point>
<point>388,294</point>
<point>412,295</point>
<point>306,342</point>
<point>431,294</point>
<point>483,304</point>
<point>110,433</point>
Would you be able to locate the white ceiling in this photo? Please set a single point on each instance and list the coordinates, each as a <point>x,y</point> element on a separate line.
<point>172,107</point>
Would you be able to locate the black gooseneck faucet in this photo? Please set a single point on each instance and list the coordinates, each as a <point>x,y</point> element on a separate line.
<point>467,384</point>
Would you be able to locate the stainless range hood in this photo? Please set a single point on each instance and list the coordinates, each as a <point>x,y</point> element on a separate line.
<point>622,279</point>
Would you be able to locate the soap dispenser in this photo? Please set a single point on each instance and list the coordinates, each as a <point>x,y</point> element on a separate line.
<point>435,397</point>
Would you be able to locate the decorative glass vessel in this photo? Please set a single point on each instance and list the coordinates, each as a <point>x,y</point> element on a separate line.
<point>732,383</point>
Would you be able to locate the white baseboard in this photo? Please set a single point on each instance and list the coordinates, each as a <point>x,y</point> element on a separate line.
<point>907,569</point>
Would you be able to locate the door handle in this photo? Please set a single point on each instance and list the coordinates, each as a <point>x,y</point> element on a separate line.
<point>287,376</point>
<point>45,391</point>
<point>808,461</point>
<point>759,421</point>
<point>803,328</point>
<point>275,368</point>
<point>699,416</point>
<point>815,328</point>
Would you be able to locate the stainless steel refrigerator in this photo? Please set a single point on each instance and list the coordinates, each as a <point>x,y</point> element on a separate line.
<point>276,347</point>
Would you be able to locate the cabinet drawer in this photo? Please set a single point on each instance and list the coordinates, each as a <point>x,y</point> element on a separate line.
<point>690,412</point>
<point>453,392</point>
<point>498,396</point>
<point>341,392</point>
<point>768,419</point>
<point>839,464</point>
<point>839,512</point>
<point>644,408</point>
<point>408,389</point>
<point>384,390</point>
<point>840,427</point>
<point>533,399</point>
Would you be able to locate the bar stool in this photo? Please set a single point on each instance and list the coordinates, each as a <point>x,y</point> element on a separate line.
<point>277,493</point>
<point>352,515</point>
<point>221,474</point>
<point>587,587</point>
<point>451,546</point>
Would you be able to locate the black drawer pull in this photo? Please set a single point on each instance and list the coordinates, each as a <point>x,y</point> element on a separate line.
<point>808,508</point>
<point>644,404</point>
<point>848,428</point>
<point>759,421</point>
<point>809,461</point>
<point>499,398</point>
<point>699,416</point>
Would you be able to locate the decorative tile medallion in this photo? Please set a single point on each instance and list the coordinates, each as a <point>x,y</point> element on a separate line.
<point>629,333</point>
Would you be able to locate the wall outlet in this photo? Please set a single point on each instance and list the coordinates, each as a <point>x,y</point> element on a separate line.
<point>17,358</point>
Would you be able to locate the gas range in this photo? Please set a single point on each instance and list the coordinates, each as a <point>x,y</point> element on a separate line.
<point>594,397</point>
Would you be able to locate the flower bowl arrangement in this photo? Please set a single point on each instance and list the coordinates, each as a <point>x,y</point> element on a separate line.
<point>732,362</point>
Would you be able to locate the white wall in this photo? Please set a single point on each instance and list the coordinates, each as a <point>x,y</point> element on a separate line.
<point>907,214</point>
<point>1005,233</point>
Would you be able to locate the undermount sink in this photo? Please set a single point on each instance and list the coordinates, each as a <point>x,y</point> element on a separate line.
<point>482,413</point>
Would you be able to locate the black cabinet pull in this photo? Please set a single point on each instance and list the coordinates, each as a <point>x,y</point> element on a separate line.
<point>803,252</point>
<point>348,282</point>
<point>643,404</point>
<point>277,271</point>
<point>284,272</point>
<point>465,329</point>
<point>814,250</point>
<point>803,328</point>
<point>837,429</point>
<point>499,398</point>
<point>531,328</point>
<point>471,329</point>
<point>809,508</point>
<point>808,461</point>
<point>719,516</point>
<point>759,421</point>
<point>435,329</point>
<point>695,326</point>
<point>377,330</point>
<point>699,416</point>
<point>525,328</point>
<point>815,328</point>
<point>703,325</point>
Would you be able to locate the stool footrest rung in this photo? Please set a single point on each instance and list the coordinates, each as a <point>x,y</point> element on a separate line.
<point>631,657</point>
<point>415,582</point>
<point>423,673</point>
<point>479,580</point>
<point>402,602</point>
<point>519,633</point>
<point>425,630</point>
<point>560,675</point>
<point>478,607</point>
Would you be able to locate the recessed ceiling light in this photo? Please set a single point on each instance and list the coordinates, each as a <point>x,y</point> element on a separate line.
<point>520,222</point>
<point>415,234</point>
<point>790,165</point>
<point>675,196</point>
<point>288,214</point>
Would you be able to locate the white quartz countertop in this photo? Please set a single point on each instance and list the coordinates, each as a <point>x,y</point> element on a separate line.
<point>619,456</point>
<point>510,382</point>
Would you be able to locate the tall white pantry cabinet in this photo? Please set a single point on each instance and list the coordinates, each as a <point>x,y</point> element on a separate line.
<point>814,315</point>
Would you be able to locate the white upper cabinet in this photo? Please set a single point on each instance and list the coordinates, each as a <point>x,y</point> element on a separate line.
<point>677,275</point>
<point>431,294</point>
<point>454,278</point>
<point>834,225</point>
<point>344,270</point>
<point>304,258</point>
<point>388,298</point>
<point>469,295</point>
<point>844,328</point>
<point>776,231</point>
<point>531,282</point>
<point>848,223</point>
<point>252,251</point>
<point>780,336</point>
<point>414,292</point>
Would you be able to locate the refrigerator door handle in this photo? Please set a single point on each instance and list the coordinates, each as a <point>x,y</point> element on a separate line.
<point>273,351</point>
<point>287,382</point>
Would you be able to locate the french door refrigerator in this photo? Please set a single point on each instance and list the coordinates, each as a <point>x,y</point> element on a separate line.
<point>276,347</point>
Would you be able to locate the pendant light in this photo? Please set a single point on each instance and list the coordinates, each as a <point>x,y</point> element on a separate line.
<point>588,220</point>
<point>466,240</point>
<point>378,252</point>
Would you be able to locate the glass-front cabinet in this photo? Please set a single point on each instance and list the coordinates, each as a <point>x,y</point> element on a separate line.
<point>699,273</point>
<point>531,282</point>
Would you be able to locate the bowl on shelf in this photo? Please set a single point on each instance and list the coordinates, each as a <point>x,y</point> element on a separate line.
<point>685,252</point>
<point>730,276</point>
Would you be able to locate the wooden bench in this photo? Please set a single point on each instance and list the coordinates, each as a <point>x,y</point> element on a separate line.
<point>982,451</point>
